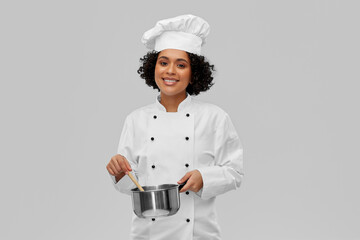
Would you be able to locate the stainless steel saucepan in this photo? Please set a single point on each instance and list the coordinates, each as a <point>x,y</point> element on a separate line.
<point>156,201</point>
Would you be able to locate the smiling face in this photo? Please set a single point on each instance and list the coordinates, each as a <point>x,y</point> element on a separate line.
<point>173,72</point>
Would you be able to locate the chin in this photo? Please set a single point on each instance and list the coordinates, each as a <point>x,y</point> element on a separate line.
<point>172,93</point>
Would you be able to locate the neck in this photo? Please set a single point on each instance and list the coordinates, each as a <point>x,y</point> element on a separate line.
<point>171,103</point>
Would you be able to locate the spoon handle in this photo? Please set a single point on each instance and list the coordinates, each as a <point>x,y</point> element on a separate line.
<point>136,182</point>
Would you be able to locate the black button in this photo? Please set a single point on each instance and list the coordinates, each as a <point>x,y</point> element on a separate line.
<point>153,166</point>
<point>188,220</point>
<point>152,139</point>
<point>155,116</point>
<point>188,115</point>
<point>187,138</point>
<point>187,192</point>
<point>153,219</point>
<point>186,165</point>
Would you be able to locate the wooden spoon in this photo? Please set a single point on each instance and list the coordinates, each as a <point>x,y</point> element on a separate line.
<point>136,182</point>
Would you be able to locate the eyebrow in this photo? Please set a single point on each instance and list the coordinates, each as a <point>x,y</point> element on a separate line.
<point>179,59</point>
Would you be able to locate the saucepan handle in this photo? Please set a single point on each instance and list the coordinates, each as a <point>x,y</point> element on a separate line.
<point>182,185</point>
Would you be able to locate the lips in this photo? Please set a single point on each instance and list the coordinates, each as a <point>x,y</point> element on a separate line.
<point>170,81</point>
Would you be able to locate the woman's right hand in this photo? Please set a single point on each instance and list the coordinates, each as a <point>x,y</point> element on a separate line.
<point>118,166</point>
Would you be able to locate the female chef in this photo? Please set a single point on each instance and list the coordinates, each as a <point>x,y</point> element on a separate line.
<point>179,138</point>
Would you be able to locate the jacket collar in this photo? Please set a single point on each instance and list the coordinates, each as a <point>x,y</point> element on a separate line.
<point>185,104</point>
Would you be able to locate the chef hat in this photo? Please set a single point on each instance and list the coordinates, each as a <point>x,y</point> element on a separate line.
<point>185,32</point>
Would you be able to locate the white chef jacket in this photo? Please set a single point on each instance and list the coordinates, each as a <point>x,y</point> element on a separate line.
<point>162,146</point>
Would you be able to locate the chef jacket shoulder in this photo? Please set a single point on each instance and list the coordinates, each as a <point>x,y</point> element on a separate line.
<point>141,112</point>
<point>208,109</point>
<point>215,116</point>
<point>138,119</point>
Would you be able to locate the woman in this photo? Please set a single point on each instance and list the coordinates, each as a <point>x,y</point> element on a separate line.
<point>178,138</point>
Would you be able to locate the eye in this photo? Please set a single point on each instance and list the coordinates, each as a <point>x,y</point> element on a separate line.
<point>163,63</point>
<point>181,65</point>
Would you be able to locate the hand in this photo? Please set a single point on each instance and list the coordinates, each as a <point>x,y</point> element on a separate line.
<point>194,181</point>
<point>118,166</point>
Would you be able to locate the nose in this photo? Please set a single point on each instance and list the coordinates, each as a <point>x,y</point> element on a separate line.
<point>171,69</point>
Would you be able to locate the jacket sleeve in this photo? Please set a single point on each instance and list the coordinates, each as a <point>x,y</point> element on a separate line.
<point>227,172</point>
<point>126,149</point>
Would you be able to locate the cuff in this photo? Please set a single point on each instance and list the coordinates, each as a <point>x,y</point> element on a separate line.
<point>215,181</point>
<point>124,185</point>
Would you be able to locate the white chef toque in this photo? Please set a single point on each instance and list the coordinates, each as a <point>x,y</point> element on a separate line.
<point>185,32</point>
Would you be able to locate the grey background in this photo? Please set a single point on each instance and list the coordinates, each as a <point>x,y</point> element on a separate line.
<point>287,73</point>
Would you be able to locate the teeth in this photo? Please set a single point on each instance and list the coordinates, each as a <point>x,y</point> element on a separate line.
<point>166,80</point>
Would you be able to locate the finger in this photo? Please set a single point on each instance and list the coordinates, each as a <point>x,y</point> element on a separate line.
<point>116,165</point>
<point>123,166</point>
<point>184,178</point>
<point>128,165</point>
<point>110,170</point>
<point>194,188</point>
<point>186,187</point>
<point>113,168</point>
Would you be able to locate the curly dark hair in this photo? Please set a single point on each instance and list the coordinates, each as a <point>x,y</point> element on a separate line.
<point>201,72</point>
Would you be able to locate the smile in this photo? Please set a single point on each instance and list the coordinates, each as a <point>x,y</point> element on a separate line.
<point>170,82</point>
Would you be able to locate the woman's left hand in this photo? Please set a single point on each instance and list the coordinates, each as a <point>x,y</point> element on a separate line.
<point>194,181</point>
